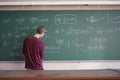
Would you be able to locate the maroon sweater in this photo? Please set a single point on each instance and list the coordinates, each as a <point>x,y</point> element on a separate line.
<point>33,50</point>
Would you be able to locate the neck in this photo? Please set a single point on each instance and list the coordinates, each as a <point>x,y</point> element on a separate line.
<point>37,35</point>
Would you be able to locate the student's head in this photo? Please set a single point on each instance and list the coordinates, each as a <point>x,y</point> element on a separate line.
<point>41,30</point>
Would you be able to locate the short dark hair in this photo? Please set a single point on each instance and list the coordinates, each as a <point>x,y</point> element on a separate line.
<point>41,29</point>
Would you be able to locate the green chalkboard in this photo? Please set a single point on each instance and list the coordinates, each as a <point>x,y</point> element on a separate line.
<point>72,34</point>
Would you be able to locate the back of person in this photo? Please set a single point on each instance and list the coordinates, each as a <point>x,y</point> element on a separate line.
<point>33,54</point>
<point>33,51</point>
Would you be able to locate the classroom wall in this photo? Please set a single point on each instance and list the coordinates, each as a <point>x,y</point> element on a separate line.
<point>62,65</point>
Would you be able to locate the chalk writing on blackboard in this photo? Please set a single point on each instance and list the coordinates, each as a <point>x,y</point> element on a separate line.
<point>5,43</point>
<point>97,43</point>
<point>65,19</point>
<point>60,41</point>
<point>6,21</point>
<point>13,54</point>
<point>94,19</point>
<point>46,37</point>
<point>52,49</point>
<point>115,19</point>
<point>20,20</point>
<point>35,19</point>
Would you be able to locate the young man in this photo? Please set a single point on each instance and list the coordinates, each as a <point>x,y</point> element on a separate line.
<point>33,50</point>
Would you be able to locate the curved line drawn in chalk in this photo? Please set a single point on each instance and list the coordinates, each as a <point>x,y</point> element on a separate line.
<point>115,19</point>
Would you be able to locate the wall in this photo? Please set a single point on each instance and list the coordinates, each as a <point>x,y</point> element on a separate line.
<point>62,65</point>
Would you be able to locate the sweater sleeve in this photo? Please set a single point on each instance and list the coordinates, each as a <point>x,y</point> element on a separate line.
<point>42,49</point>
<point>24,45</point>
<point>23,48</point>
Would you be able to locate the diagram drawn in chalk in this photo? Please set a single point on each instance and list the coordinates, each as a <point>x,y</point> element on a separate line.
<point>65,19</point>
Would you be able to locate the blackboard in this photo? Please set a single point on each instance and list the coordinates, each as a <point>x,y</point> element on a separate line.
<point>72,34</point>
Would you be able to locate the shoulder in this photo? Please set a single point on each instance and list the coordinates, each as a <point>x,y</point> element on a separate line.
<point>29,37</point>
<point>41,42</point>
